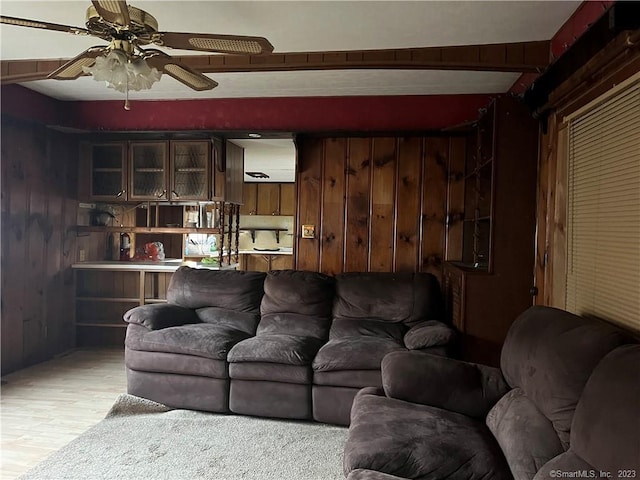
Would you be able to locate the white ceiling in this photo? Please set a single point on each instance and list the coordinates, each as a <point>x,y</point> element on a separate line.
<point>299,26</point>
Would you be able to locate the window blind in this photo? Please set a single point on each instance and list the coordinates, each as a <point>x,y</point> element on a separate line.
<point>603,237</point>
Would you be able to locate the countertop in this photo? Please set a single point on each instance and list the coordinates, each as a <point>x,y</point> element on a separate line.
<point>163,266</point>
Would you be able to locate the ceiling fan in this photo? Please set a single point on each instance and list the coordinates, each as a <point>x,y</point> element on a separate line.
<point>123,63</point>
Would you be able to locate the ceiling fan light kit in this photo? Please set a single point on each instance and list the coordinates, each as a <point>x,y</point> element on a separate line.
<point>123,64</point>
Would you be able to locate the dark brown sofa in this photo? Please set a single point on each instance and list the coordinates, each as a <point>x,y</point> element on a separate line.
<point>288,344</point>
<point>564,404</point>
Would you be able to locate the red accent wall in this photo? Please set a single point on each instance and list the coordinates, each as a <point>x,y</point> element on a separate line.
<point>296,114</point>
<point>587,13</point>
<point>578,23</point>
<point>27,104</point>
<point>287,114</point>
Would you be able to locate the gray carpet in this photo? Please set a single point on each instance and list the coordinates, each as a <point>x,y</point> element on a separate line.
<point>141,440</point>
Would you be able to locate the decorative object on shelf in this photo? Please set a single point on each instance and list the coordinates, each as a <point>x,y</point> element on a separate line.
<point>152,251</point>
<point>100,216</point>
<point>125,247</point>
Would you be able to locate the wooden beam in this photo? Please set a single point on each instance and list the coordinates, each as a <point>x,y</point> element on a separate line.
<point>532,57</point>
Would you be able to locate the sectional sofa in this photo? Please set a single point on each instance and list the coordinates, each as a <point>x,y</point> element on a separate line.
<point>287,344</point>
<point>564,404</point>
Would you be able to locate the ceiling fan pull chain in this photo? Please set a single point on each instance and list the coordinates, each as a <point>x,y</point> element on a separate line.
<point>127,107</point>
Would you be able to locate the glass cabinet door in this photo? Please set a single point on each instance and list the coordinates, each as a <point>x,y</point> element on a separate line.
<point>148,165</point>
<point>108,173</point>
<point>190,170</point>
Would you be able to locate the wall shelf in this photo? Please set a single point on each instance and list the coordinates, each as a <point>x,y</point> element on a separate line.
<point>111,229</point>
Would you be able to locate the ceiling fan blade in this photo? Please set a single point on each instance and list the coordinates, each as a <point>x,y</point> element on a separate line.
<point>167,64</point>
<point>113,11</point>
<point>73,68</point>
<point>23,22</point>
<point>205,42</point>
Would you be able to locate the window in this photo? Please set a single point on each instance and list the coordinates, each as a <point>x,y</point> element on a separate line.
<point>603,238</point>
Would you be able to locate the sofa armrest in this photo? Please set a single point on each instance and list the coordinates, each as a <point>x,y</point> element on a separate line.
<point>161,315</point>
<point>364,474</point>
<point>442,382</point>
<point>431,333</point>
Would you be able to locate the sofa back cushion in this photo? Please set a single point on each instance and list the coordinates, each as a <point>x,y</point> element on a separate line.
<point>297,303</point>
<point>606,425</point>
<point>228,289</point>
<point>550,354</point>
<point>390,297</point>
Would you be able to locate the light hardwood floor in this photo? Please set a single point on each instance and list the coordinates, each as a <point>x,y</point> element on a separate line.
<point>45,406</point>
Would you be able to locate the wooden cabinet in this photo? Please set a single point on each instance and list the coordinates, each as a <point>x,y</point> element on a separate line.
<point>103,296</point>
<point>288,199</point>
<point>489,283</point>
<point>161,170</point>
<point>234,172</point>
<point>148,171</point>
<point>249,199</point>
<point>190,170</point>
<point>265,263</point>
<point>107,171</point>
<point>268,199</point>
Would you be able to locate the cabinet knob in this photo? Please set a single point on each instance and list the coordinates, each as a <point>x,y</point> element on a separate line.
<point>120,193</point>
<point>162,194</point>
<point>533,291</point>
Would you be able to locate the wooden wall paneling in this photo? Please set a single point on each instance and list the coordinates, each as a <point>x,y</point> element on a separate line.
<point>558,272</point>
<point>434,204</point>
<point>455,198</point>
<point>58,290</point>
<point>332,230</point>
<point>309,181</point>
<point>543,199</point>
<point>358,186</point>
<point>268,198</point>
<point>15,197</point>
<point>36,234</point>
<point>38,184</point>
<point>383,192</point>
<point>408,199</point>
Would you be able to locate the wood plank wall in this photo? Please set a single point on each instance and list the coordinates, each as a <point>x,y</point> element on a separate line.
<point>377,203</point>
<point>39,178</point>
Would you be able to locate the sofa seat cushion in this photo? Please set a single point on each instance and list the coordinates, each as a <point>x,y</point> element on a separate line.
<point>349,378</point>
<point>161,362</point>
<point>243,321</point>
<point>294,324</point>
<point>271,372</point>
<point>419,442</point>
<point>281,348</point>
<point>354,353</point>
<point>200,339</point>
<point>343,327</point>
